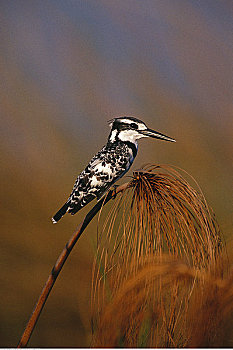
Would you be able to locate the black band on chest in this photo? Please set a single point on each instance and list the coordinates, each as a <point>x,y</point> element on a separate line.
<point>132,146</point>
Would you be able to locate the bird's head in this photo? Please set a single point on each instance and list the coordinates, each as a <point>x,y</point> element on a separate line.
<point>130,129</point>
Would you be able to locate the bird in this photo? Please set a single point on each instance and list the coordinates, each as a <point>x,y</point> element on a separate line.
<point>109,164</point>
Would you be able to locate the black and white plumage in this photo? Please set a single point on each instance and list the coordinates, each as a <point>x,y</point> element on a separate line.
<point>109,164</point>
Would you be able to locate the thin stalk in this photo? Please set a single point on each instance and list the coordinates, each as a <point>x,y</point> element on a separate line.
<point>60,262</point>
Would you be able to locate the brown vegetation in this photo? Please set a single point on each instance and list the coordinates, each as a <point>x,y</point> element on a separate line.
<point>160,278</point>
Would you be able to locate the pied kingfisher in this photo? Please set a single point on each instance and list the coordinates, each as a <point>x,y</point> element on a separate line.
<point>109,164</point>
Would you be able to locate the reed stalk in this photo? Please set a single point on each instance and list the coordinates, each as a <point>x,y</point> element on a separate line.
<point>158,278</point>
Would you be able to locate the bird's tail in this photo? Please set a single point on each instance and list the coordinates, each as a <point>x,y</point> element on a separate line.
<point>60,212</point>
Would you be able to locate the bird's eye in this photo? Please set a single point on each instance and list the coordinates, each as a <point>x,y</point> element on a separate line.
<point>134,126</point>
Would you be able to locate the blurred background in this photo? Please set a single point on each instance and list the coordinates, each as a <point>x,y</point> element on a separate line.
<point>66,67</point>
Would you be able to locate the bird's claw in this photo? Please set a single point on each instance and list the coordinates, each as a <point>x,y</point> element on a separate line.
<point>114,191</point>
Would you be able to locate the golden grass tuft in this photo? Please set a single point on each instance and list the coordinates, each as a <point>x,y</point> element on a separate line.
<point>158,274</point>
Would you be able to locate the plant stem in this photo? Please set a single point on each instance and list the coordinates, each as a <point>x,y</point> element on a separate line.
<point>60,262</point>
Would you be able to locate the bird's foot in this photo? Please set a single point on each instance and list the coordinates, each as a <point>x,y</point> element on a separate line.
<point>114,191</point>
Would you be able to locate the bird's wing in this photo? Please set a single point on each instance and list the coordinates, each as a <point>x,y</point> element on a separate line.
<point>95,162</point>
<point>107,185</point>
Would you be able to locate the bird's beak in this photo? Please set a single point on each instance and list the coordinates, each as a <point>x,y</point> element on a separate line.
<point>156,135</point>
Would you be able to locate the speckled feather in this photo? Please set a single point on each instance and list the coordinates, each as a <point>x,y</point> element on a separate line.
<point>108,165</point>
<point>105,168</point>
